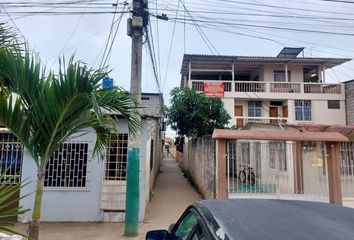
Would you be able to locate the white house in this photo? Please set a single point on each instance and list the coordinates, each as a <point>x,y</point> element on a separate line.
<point>82,187</point>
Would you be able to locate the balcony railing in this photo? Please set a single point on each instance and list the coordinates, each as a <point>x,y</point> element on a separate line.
<point>241,121</point>
<point>322,88</point>
<point>285,87</point>
<point>273,87</point>
<point>250,86</point>
<point>199,86</point>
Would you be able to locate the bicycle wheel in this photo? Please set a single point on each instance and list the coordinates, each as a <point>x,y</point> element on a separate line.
<point>252,178</point>
<point>242,176</point>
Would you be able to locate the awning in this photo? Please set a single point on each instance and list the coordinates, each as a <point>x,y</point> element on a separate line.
<point>279,135</point>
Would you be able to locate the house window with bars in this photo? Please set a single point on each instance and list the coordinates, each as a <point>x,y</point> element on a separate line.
<point>277,156</point>
<point>116,159</point>
<point>254,108</point>
<point>11,153</point>
<point>67,168</point>
<point>303,110</point>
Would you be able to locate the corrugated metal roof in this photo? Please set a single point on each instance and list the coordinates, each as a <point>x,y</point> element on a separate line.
<point>228,59</point>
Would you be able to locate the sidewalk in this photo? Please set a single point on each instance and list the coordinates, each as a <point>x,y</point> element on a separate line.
<point>171,195</point>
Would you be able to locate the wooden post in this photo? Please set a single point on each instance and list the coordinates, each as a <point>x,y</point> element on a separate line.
<point>334,176</point>
<point>298,169</point>
<point>220,170</point>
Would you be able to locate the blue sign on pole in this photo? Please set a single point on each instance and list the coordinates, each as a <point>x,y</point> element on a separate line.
<point>107,83</point>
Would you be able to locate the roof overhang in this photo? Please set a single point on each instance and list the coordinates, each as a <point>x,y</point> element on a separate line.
<point>225,62</point>
<point>279,135</point>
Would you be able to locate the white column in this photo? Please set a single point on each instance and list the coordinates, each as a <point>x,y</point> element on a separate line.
<point>324,74</point>
<point>189,70</point>
<point>286,73</point>
<point>233,72</point>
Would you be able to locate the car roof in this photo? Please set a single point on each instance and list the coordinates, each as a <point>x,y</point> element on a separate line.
<point>279,219</point>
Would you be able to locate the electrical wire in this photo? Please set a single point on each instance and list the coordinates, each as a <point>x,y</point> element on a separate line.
<point>170,48</point>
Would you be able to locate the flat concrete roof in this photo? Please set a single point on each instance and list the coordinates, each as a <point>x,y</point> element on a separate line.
<point>279,135</point>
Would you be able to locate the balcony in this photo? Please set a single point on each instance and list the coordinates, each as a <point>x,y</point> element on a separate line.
<point>275,87</point>
<point>241,121</point>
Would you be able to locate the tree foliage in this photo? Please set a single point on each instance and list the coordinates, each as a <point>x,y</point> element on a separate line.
<point>8,37</point>
<point>194,114</point>
<point>44,109</point>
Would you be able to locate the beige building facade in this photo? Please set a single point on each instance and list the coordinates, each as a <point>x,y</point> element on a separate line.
<point>256,89</point>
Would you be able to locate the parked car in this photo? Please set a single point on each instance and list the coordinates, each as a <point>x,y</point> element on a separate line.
<point>260,220</point>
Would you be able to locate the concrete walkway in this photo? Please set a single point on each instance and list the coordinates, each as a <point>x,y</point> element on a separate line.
<point>171,195</point>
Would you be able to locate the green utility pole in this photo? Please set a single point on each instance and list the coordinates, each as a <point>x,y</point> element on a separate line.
<point>136,25</point>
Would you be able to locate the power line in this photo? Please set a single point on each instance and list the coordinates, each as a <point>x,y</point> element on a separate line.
<point>13,22</point>
<point>70,36</point>
<point>271,27</point>
<point>202,34</point>
<point>104,56</point>
<point>170,49</point>
<point>153,62</point>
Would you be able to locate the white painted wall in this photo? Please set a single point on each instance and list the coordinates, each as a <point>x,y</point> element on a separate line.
<point>84,204</point>
<point>296,72</point>
<point>68,204</point>
<point>320,113</point>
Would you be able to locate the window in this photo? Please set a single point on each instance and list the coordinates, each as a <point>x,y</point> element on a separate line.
<point>116,158</point>
<point>10,158</point>
<point>333,104</point>
<point>198,86</point>
<point>199,234</point>
<point>276,103</point>
<point>68,166</point>
<point>303,110</point>
<point>279,76</point>
<point>277,156</point>
<point>255,109</point>
<point>186,226</point>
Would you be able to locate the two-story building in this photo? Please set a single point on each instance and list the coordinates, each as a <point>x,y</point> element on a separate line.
<point>278,102</point>
<point>282,89</point>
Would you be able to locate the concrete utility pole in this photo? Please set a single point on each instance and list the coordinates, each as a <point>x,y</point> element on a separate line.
<point>136,25</point>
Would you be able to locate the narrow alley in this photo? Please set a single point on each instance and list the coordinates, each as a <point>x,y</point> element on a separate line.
<point>172,194</point>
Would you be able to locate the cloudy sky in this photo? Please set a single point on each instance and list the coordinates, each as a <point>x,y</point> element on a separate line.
<point>256,28</point>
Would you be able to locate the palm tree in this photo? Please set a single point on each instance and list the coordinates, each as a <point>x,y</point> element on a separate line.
<point>43,110</point>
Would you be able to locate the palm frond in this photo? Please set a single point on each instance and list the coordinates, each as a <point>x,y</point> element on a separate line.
<point>8,37</point>
<point>9,209</point>
<point>50,110</point>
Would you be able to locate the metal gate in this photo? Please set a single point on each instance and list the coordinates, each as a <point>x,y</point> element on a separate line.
<point>276,169</point>
<point>114,182</point>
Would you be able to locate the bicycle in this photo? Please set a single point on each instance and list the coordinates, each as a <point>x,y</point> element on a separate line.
<point>246,175</point>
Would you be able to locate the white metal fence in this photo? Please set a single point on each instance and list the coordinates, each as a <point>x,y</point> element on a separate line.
<point>347,168</point>
<point>268,169</point>
<point>11,153</point>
